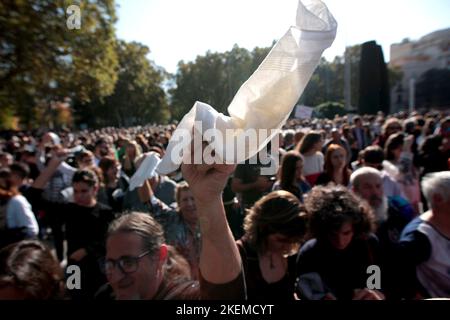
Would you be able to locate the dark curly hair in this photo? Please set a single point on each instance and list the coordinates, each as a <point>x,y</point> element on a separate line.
<point>278,212</point>
<point>331,206</point>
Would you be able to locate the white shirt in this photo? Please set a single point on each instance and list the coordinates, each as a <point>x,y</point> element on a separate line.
<point>434,274</point>
<point>313,164</point>
<point>390,187</point>
<point>19,214</point>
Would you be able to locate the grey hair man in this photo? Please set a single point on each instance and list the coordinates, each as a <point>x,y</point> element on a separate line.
<point>367,182</point>
<point>423,253</point>
<point>392,214</point>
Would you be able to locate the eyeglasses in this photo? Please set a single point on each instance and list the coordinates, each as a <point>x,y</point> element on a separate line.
<point>126,264</point>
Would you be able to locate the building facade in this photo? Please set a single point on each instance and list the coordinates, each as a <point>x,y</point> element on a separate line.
<point>413,58</point>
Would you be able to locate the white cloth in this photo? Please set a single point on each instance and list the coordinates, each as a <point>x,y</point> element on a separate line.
<point>146,170</point>
<point>267,98</point>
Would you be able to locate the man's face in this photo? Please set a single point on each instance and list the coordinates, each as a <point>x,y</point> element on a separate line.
<point>102,150</point>
<point>370,188</point>
<point>5,161</point>
<point>335,135</point>
<point>16,179</point>
<point>84,194</point>
<point>86,161</point>
<point>140,284</point>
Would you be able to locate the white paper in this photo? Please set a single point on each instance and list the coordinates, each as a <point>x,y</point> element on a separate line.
<point>303,112</point>
<point>145,171</point>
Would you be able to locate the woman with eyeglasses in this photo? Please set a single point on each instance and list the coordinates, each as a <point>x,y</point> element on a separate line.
<point>137,240</point>
<point>274,228</point>
<point>138,262</point>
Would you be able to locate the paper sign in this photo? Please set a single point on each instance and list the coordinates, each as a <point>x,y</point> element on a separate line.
<point>303,112</point>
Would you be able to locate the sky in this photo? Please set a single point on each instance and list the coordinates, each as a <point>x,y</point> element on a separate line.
<point>177,30</point>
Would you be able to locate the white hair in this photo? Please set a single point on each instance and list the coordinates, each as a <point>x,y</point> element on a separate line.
<point>436,183</point>
<point>356,176</point>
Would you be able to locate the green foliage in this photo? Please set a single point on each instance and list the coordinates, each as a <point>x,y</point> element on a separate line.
<point>213,78</point>
<point>7,120</point>
<point>330,109</point>
<point>327,81</point>
<point>42,60</point>
<point>138,96</point>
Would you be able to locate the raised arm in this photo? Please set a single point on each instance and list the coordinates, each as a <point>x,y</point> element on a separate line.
<point>220,262</point>
<point>49,170</point>
<point>145,192</point>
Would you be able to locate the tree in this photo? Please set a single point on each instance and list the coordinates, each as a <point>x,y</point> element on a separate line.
<point>330,109</point>
<point>213,78</point>
<point>433,89</point>
<point>354,56</point>
<point>373,82</point>
<point>318,87</point>
<point>326,83</point>
<point>204,80</point>
<point>42,60</point>
<point>138,97</point>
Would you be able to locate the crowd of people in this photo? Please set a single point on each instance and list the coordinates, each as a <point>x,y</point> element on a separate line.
<point>350,193</point>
